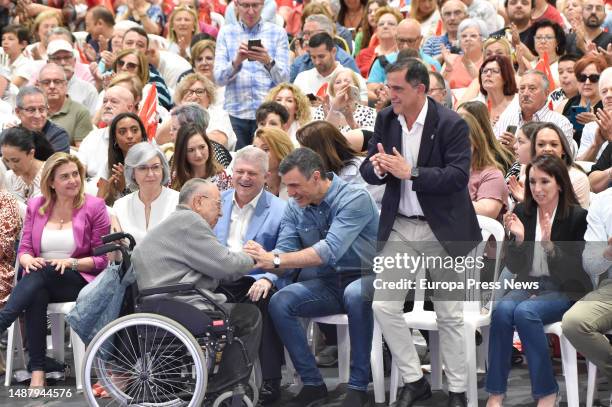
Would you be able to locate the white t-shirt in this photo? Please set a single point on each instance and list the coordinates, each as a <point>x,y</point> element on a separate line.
<point>93,151</point>
<point>172,65</point>
<point>310,81</point>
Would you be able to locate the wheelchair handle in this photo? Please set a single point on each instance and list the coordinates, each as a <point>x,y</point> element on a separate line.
<point>119,236</point>
<point>111,247</point>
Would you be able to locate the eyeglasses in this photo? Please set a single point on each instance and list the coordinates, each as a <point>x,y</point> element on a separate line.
<point>59,59</point>
<point>252,6</point>
<point>407,41</point>
<point>216,201</point>
<point>144,169</point>
<point>130,66</point>
<point>56,82</point>
<point>198,92</point>
<point>432,90</point>
<point>33,110</point>
<point>593,78</point>
<point>456,13</point>
<point>545,38</point>
<point>492,71</point>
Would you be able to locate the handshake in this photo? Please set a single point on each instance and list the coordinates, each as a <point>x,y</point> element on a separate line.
<point>263,259</point>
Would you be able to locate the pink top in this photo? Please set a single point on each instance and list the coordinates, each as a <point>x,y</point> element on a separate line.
<point>488,183</point>
<point>89,223</point>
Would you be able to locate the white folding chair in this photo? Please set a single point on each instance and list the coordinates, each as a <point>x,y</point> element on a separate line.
<point>473,319</point>
<point>569,362</point>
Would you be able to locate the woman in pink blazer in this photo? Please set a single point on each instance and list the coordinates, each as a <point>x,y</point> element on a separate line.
<point>61,229</point>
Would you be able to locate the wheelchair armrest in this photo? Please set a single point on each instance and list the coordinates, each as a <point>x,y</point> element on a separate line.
<point>166,289</point>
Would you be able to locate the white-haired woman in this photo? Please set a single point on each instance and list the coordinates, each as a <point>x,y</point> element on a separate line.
<point>10,226</point>
<point>146,170</point>
<point>460,70</point>
<point>343,108</point>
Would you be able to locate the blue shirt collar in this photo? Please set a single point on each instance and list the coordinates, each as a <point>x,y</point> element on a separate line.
<point>255,29</point>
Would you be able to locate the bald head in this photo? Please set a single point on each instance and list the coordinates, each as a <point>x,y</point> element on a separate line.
<point>117,99</point>
<point>409,34</point>
<point>453,12</point>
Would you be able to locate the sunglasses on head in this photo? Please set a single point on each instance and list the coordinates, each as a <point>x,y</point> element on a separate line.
<point>593,78</point>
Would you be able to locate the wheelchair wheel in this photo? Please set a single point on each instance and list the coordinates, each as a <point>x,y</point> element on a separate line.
<point>145,360</point>
<point>251,392</point>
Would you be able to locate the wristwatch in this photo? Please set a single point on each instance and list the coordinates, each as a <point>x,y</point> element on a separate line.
<point>270,65</point>
<point>414,173</point>
<point>75,265</point>
<point>276,261</point>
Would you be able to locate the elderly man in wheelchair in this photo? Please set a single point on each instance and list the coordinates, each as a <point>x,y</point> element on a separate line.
<point>180,344</point>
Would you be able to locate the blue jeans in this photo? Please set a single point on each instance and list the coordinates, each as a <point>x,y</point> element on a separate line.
<point>528,315</point>
<point>320,297</point>
<point>244,129</point>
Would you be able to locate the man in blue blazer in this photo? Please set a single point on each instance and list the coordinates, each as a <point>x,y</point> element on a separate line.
<point>251,213</point>
<point>421,152</point>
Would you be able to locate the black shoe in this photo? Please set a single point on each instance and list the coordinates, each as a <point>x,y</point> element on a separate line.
<point>457,399</point>
<point>309,396</point>
<point>355,398</point>
<point>270,392</point>
<point>413,392</point>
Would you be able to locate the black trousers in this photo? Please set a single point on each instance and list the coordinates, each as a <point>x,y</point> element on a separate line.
<point>271,347</point>
<point>32,294</point>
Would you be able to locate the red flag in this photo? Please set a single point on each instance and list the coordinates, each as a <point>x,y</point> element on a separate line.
<point>148,112</point>
<point>322,91</point>
<point>544,66</point>
<point>82,55</point>
<point>439,28</point>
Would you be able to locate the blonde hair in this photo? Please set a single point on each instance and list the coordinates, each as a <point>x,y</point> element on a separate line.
<point>330,83</point>
<point>493,40</point>
<point>143,64</point>
<point>199,47</point>
<point>277,140</point>
<point>388,10</point>
<point>48,173</point>
<point>46,15</point>
<point>189,80</point>
<point>135,83</point>
<point>302,103</point>
<point>196,28</point>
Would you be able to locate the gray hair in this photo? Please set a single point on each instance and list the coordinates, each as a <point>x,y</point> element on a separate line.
<point>52,65</point>
<point>138,155</point>
<point>323,21</point>
<point>605,77</point>
<point>192,113</point>
<point>60,31</point>
<point>27,91</point>
<point>542,76</point>
<point>190,187</point>
<point>476,23</point>
<point>305,160</point>
<point>253,155</point>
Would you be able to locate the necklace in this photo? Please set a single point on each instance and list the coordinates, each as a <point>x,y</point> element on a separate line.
<point>61,224</point>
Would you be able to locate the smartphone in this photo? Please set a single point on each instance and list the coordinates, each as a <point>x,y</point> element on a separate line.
<point>511,129</point>
<point>254,43</point>
<point>354,92</point>
<point>574,112</point>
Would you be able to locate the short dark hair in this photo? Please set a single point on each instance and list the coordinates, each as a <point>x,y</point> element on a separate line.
<point>26,140</point>
<point>532,4</point>
<point>200,37</point>
<point>407,53</point>
<point>506,71</point>
<point>416,71</point>
<point>305,160</point>
<point>271,107</point>
<point>568,57</point>
<point>102,13</point>
<point>20,32</point>
<point>322,39</point>
<point>140,31</point>
<point>559,35</point>
<point>555,167</point>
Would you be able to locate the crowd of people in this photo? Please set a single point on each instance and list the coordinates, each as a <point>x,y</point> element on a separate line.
<point>268,151</point>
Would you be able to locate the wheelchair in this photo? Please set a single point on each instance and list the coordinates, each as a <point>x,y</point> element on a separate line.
<point>166,353</point>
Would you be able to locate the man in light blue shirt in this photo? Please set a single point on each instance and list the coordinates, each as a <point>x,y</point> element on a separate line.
<point>329,231</point>
<point>249,72</point>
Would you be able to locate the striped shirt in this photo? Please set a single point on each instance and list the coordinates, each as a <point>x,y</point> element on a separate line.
<point>247,86</point>
<point>432,45</point>
<point>513,116</point>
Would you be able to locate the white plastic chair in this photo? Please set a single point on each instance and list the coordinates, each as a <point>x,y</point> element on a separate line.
<point>569,361</point>
<point>592,380</point>
<point>473,320</point>
<point>344,352</point>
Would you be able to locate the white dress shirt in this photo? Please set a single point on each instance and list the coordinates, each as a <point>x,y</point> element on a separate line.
<point>310,81</point>
<point>130,212</point>
<point>587,139</point>
<point>539,265</point>
<point>239,222</point>
<point>411,143</point>
<point>599,230</point>
<point>93,151</point>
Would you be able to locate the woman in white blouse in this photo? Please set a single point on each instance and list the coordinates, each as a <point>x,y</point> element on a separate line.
<point>147,170</point>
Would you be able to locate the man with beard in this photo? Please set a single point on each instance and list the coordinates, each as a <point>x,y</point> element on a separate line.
<point>593,16</point>
<point>519,14</point>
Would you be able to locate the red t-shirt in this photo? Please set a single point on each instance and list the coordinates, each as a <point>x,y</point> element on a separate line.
<point>553,15</point>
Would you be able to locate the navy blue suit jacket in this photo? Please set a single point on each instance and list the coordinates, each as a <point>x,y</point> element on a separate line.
<point>264,226</point>
<point>442,185</point>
